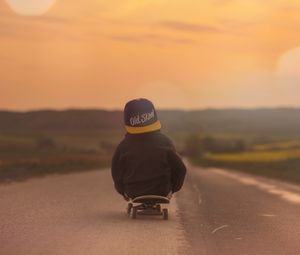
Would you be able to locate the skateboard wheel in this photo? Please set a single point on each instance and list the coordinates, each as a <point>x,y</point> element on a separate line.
<point>134,213</point>
<point>165,214</point>
<point>129,208</point>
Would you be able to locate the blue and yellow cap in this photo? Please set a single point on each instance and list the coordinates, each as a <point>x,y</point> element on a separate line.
<point>140,117</point>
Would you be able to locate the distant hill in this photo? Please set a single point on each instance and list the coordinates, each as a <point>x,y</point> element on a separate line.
<point>68,120</point>
<point>281,121</point>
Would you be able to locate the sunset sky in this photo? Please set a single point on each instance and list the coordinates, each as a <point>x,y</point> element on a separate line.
<point>181,54</point>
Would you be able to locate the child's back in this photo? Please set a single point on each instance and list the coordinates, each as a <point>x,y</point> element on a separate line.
<point>146,163</point>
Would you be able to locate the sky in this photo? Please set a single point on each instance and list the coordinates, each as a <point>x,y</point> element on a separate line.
<point>183,54</point>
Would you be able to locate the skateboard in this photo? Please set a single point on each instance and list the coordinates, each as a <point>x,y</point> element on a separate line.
<point>148,205</point>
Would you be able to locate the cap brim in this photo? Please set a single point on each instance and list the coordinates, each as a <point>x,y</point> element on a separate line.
<point>139,130</point>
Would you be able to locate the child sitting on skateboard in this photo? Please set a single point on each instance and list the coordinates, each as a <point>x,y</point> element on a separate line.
<point>145,162</point>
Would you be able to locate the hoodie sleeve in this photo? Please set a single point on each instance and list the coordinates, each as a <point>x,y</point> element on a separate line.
<point>117,170</point>
<point>178,170</point>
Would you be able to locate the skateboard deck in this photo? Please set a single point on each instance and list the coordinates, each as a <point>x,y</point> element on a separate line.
<point>148,205</point>
<point>151,199</point>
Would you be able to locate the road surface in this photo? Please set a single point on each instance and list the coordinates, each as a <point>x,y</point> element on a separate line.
<point>232,213</point>
<point>217,212</point>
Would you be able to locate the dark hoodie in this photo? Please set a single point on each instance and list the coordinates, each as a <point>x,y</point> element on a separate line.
<point>147,164</point>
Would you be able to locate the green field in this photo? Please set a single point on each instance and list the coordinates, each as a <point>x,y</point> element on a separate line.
<point>24,156</point>
<point>256,156</point>
<point>277,160</point>
<point>258,141</point>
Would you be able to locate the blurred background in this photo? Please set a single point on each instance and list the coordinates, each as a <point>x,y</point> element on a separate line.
<point>224,75</point>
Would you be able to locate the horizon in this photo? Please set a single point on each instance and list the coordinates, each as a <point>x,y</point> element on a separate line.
<point>211,54</point>
<point>157,109</point>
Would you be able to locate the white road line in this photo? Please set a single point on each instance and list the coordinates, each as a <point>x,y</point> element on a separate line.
<point>219,228</point>
<point>268,215</point>
<point>196,187</point>
<point>198,193</point>
<point>199,200</point>
<point>289,196</point>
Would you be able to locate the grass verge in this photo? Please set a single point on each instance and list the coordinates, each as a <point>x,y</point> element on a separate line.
<point>287,169</point>
<point>20,170</point>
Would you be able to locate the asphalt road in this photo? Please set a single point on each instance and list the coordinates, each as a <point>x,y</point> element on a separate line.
<point>232,213</point>
<point>217,212</point>
<point>80,214</point>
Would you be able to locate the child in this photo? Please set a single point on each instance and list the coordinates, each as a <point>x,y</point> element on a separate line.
<point>145,162</point>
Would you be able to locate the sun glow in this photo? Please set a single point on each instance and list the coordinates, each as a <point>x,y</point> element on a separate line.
<point>289,63</point>
<point>30,7</point>
<point>288,68</point>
